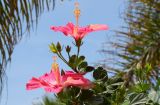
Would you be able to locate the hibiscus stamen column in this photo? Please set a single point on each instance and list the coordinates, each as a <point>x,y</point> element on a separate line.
<point>55,69</point>
<point>77,14</point>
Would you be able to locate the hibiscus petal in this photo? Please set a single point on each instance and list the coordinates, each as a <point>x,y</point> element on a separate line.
<point>50,84</point>
<point>69,30</point>
<point>71,74</point>
<point>55,89</point>
<point>97,27</point>
<point>83,31</point>
<point>72,82</point>
<point>75,79</point>
<point>48,77</point>
<point>41,82</point>
<point>33,84</point>
<point>61,29</point>
<point>87,84</point>
<point>70,26</point>
<point>66,30</point>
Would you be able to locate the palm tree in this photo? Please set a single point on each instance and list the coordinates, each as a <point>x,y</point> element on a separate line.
<point>139,44</point>
<point>17,17</point>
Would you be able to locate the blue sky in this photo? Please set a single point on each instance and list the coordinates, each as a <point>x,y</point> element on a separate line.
<point>32,57</point>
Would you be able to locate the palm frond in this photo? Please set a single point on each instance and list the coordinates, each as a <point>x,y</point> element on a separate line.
<point>16,18</point>
<point>48,100</point>
<point>139,43</point>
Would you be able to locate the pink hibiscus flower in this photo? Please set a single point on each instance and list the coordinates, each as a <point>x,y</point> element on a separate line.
<point>54,82</point>
<point>78,32</point>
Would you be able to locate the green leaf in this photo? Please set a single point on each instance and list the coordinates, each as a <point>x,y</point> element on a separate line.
<point>148,68</point>
<point>86,94</point>
<point>113,83</point>
<point>126,102</point>
<point>140,87</point>
<point>138,99</point>
<point>95,100</point>
<point>89,69</point>
<point>72,61</point>
<point>80,60</point>
<point>83,65</point>
<point>154,96</point>
<point>100,73</point>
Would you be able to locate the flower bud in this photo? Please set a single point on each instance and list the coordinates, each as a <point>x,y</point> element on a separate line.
<point>68,49</point>
<point>78,42</point>
<point>59,48</point>
<point>53,48</point>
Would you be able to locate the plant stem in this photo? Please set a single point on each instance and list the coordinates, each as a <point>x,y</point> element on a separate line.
<point>78,50</point>
<point>62,58</point>
<point>68,55</point>
<point>65,61</point>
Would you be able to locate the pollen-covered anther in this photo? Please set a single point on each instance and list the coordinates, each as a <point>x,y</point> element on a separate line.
<point>55,65</point>
<point>77,12</point>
